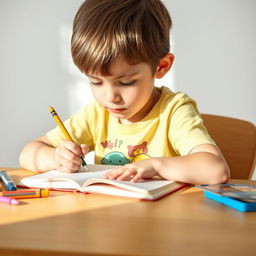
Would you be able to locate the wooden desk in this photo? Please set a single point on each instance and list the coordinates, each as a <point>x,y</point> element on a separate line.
<point>184,223</point>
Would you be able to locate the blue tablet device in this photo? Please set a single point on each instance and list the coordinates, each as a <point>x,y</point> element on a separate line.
<point>241,197</point>
<point>237,204</point>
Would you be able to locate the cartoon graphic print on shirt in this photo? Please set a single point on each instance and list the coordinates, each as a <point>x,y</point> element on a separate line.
<point>115,158</point>
<point>110,144</point>
<point>135,153</point>
<point>138,152</point>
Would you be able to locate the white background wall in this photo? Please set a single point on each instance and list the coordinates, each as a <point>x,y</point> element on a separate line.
<point>213,41</point>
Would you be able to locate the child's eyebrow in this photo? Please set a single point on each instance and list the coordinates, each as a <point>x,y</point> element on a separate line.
<point>122,76</point>
<point>118,77</point>
<point>92,77</point>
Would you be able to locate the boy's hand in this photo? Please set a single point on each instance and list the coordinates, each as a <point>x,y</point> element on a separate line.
<point>68,156</point>
<point>133,172</point>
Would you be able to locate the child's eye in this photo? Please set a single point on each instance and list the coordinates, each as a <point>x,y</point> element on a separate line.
<point>128,83</point>
<point>95,83</point>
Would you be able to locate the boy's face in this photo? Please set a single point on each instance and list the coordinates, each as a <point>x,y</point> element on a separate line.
<point>128,93</point>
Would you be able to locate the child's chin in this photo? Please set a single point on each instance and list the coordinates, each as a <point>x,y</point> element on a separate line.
<point>119,116</point>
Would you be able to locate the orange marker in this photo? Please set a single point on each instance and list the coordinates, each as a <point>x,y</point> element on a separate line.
<point>31,193</point>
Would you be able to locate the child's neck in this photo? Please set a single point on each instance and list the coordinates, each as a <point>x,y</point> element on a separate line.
<point>146,109</point>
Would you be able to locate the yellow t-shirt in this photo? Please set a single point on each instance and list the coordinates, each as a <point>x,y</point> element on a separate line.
<point>172,128</point>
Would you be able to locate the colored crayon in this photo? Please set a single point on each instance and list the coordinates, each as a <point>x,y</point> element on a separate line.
<point>7,200</point>
<point>31,193</point>
<point>7,181</point>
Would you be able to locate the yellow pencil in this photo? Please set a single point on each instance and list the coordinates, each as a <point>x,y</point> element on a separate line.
<point>63,128</point>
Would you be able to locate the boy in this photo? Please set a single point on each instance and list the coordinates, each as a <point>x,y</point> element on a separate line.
<point>122,46</point>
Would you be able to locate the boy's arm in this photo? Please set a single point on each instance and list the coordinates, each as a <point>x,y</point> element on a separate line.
<point>205,164</point>
<point>38,155</point>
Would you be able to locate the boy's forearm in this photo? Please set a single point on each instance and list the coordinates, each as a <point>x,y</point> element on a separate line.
<point>37,156</point>
<point>196,168</point>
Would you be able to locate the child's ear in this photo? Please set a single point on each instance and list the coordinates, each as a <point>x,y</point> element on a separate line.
<point>164,65</point>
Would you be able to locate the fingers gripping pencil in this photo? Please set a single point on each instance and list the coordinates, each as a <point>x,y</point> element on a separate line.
<point>63,129</point>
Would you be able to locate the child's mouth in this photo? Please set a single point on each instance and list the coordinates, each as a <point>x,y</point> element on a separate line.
<point>117,110</point>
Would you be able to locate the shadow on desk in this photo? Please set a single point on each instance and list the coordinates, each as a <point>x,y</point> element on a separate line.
<point>181,223</point>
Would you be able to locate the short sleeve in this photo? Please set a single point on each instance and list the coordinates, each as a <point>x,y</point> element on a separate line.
<point>187,130</point>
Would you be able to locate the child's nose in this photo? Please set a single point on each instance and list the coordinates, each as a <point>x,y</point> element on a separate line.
<point>112,94</point>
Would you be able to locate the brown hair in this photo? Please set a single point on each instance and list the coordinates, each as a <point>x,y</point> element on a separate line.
<point>103,30</point>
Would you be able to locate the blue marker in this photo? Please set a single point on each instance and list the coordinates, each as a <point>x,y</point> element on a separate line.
<point>8,182</point>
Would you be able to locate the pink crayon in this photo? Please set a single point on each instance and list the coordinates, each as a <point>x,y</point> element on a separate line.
<point>7,200</point>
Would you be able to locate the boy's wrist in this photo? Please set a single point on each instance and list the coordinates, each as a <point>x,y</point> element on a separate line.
<point>52,161</point>
<point>157,164</point>
<point>49,160</point>
<point>164,167</point>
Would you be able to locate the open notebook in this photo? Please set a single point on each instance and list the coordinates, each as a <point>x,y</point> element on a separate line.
<point>93,182</point>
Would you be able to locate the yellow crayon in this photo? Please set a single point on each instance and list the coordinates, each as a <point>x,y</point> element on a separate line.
<point>30,193</point>
<point>63,128</point>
